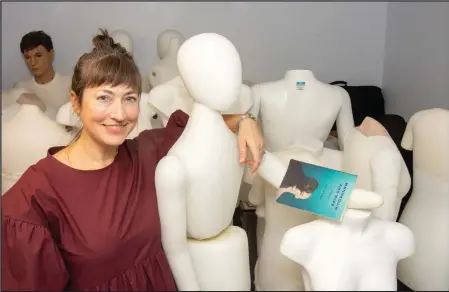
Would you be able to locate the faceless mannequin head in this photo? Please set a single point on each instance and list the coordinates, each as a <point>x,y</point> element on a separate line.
<point>123,38</point>
<point>37,49</point>
<point>169,41</point>
<point>211,70</point>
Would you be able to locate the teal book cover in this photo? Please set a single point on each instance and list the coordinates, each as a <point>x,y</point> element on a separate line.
<point>316,189</point>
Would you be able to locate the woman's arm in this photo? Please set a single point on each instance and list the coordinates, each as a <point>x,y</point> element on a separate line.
<point>249,135</point>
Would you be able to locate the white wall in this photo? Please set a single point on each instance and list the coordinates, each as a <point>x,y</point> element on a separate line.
<point>335,40</point>
<point>416,68</point>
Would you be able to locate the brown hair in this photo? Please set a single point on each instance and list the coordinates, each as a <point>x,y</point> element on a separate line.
<point>107,64</point>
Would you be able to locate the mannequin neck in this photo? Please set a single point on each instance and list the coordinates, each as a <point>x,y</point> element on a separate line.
<point>46,77</point>
<point>202,112</point>
<point>355,221</point>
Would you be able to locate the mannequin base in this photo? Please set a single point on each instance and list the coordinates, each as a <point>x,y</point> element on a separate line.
<point>222,262</point>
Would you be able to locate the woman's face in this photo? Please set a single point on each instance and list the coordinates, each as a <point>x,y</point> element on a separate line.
<point>108,113</point>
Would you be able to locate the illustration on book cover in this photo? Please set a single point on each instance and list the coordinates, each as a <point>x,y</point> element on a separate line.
<point>316,189</point>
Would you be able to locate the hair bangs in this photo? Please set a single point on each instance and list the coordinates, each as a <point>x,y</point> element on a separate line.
<point>113,71</point>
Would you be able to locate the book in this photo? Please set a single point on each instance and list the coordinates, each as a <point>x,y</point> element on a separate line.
<point>316,189</point>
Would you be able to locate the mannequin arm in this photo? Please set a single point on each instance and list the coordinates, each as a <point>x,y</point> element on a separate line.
<point>386,173</point>
<point>171,183</point>
<point>272,170</point>
<point>345,119</point>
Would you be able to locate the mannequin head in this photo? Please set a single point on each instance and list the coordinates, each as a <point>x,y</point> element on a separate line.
<point>122,37</point>
<point>37,49</point>
<point>371,127</point>
<point>210,68</point>
<point>105,91</point>
<point>169,41</point>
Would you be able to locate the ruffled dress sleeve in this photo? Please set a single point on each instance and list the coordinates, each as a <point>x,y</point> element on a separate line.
<point>165,138</point>
<point>31,260</point>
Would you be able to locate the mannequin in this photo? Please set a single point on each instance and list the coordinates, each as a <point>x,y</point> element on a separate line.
<point>168,44</point>
<point>427,211</point>
<point>37,134</point>
<point>198,182</point>
<point>372,155</point>
<point>358,254</point>
<point>67,117</point>
<point>172,96</point>
<point>11,98</point>
<point>301,100</point>
<point>125,39</point>
<point>273,271</point>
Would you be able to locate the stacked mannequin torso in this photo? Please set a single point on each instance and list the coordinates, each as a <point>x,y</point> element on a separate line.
<point>427,211</point>
<point>299,108</point>
<point>26,139</point>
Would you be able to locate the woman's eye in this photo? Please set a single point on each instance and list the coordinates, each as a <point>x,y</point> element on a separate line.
<point>103,98</point>
<point>131,99</point>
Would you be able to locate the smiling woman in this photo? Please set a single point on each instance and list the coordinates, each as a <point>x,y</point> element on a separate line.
<point>85,217</point>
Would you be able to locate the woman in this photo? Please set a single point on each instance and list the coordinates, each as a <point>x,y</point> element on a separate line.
<point>85,217</point>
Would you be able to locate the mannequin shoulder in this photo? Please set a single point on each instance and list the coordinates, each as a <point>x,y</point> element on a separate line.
<point>399,238</point>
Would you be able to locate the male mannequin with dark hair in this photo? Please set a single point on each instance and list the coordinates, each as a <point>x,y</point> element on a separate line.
<point>50,86</point>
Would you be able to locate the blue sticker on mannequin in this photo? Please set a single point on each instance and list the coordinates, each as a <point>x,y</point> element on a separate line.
<point>300,85</point>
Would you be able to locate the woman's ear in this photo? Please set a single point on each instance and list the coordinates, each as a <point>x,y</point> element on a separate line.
<point>75,100</point>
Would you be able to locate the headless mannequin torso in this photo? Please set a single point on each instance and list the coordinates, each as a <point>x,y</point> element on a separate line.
<point>372,155</point>
<point>198,182</point>
<point>358,254</point>
<point>299,108</point>
<point>35,129</point>
<point>427,211</point>
<point>168,44</point>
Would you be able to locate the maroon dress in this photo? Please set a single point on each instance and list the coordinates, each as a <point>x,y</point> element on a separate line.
<point>68,229</point>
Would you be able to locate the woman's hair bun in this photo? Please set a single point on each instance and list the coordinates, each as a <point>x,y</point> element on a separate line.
<point>104,41</point>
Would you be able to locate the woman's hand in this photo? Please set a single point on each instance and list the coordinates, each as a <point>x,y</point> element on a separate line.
<point>249,135</point>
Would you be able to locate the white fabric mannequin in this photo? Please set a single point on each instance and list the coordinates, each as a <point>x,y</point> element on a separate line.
<point>168,44</point>
<point>274,271</point>
<point>427,211</point>
<point>125,39</point>
<point>26,139</point>
<point>54,93</point>
<point>292,112</point>
<point>372,155</point>
<point>358,254</point>
<point>172,96</point>
<point>67,117</point>
<point>198,182</point>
